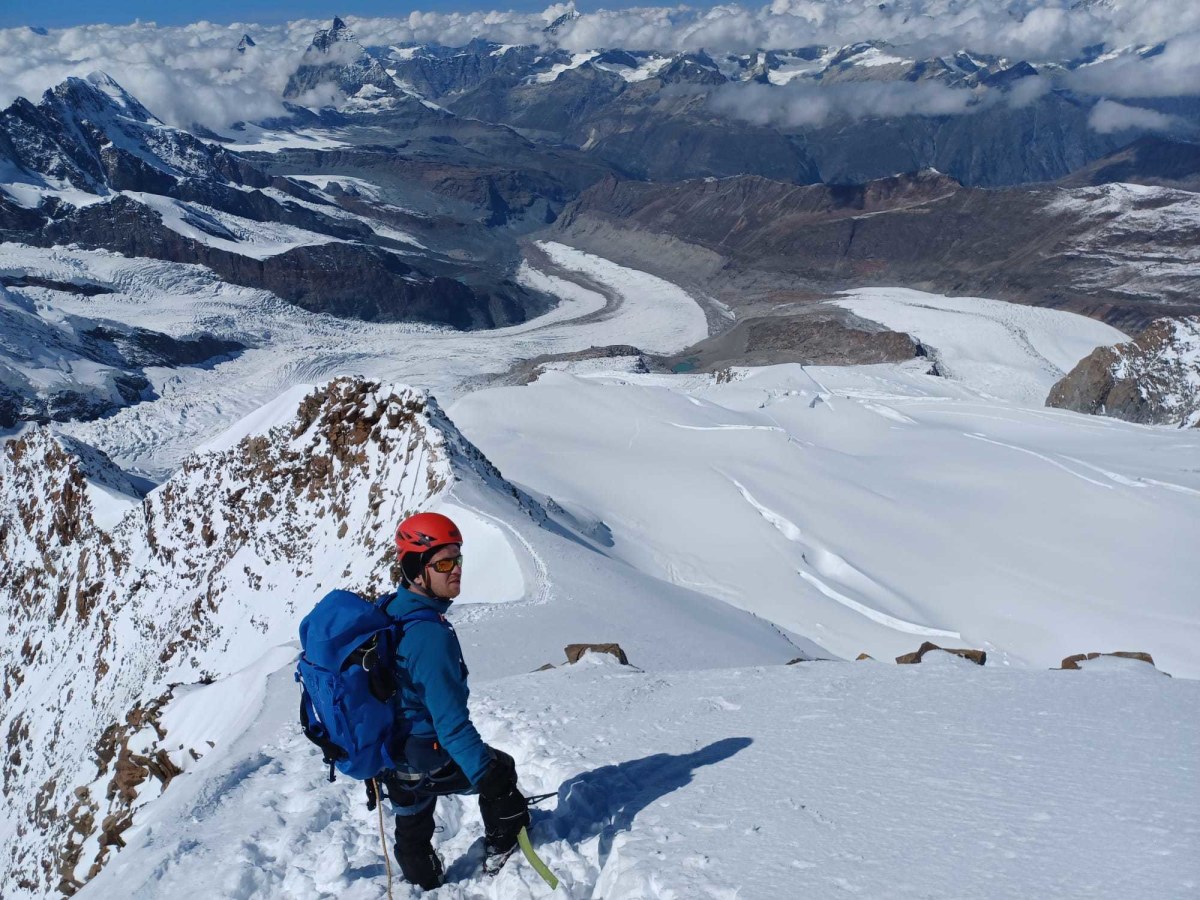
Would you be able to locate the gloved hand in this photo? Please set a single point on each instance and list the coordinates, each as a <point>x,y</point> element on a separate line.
<point>372,794</point>
<point>505,810</point>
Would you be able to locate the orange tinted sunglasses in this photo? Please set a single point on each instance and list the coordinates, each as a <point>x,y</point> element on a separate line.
<point>447,565</point>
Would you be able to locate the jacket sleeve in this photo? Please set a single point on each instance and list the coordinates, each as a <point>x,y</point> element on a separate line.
<point>434,661</point>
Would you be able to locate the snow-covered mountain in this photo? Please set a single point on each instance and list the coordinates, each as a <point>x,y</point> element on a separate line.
<point>90,166</point>
<point>63,367</point>
<point>337,69</point>
<point>712,382</point>
<point>689,518</point>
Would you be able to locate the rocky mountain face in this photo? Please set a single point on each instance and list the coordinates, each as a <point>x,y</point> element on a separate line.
<point>92,135</point>
<point>110,597</point>
<point>754,243</point>
<point>89,165</point>
<point>1153,379</point>
<point>336,60</point>
<point>1150,160</point>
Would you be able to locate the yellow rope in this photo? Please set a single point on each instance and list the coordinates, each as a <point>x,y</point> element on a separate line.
<point>387,857</point>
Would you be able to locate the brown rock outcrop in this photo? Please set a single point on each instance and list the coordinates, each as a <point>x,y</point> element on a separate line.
<point>1072,662</point>
<point>1153,379</point>
<point>575,651</point>
<point>979,657</point>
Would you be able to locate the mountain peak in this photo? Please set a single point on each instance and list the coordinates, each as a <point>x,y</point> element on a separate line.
<point>326,38</point>
<point>335,63</point>
<point>569,16</point>
<point>245,42</point>
<point>100,91</point>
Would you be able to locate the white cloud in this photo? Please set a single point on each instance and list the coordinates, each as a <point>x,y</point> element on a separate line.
<point>798,105</point>
<point>1172,72</point>
<point>194,73</point>
<point>1108,116</point>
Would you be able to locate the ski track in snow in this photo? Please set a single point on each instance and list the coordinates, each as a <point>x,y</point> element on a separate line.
<point>1041,456</point>
<point>833,566</point>
<point>978,528</point>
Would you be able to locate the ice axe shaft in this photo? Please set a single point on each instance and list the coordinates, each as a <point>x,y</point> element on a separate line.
<point>535,861</point>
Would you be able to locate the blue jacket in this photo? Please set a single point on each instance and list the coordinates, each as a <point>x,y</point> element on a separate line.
<point>433,694</point>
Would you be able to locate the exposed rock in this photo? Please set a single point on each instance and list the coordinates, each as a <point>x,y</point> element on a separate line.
<point>1153,379</point>
<point>863,656</point>
<point>681,118</point>
<point>745,240</point>
<point>979,657</point>
<point>94,136</point>
<point>1154,160</point>
<point>817,336</point>
<point>575,651</point>
<point>1072,662</point>
<point>530,370</point>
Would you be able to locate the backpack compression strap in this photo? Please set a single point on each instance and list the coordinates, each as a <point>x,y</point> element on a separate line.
<point>315,731</point>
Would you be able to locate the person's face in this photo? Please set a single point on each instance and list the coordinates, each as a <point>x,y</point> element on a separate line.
<point>444,585</point>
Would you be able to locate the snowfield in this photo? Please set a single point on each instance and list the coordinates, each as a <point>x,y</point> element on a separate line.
<point>870,508</point>
<point>821,779</point>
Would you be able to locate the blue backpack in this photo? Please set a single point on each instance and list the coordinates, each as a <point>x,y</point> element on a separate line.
<point>348,677</point>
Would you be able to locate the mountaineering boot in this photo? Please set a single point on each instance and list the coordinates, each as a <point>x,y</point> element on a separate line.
<point>494,857</point>
<point>418,861</point>
<point>504,811</point>
<point>422,868</point>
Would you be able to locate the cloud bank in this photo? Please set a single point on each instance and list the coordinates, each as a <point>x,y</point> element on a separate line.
<point>194,74</point>
<point>1108,116</point>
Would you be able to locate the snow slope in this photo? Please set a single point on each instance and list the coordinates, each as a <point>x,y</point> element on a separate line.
<point>871,508</point>
<point>814,780</point>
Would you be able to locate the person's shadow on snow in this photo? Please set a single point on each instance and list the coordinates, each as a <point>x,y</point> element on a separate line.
<point>605,801</point>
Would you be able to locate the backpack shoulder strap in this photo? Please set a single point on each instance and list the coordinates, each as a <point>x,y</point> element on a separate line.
<point>422,615</point>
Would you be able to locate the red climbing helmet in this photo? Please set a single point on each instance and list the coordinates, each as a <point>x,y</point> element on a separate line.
<point>425,531</point>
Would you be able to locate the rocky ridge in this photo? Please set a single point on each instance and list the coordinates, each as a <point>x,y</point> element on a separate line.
<point>662,115</point>
<point>189,583</point>
<point>336,61</point>
<point>1153,379</point>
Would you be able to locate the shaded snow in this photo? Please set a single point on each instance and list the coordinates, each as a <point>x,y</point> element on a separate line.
<point>214,228</point>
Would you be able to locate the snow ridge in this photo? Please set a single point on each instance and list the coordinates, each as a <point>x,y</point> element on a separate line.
<point>192,581</point>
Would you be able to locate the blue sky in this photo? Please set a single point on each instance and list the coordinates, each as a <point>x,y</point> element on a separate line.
<point>64,13</point>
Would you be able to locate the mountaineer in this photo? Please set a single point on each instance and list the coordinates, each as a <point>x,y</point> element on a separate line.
<point>385,698</point>
<point>443,753</point>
